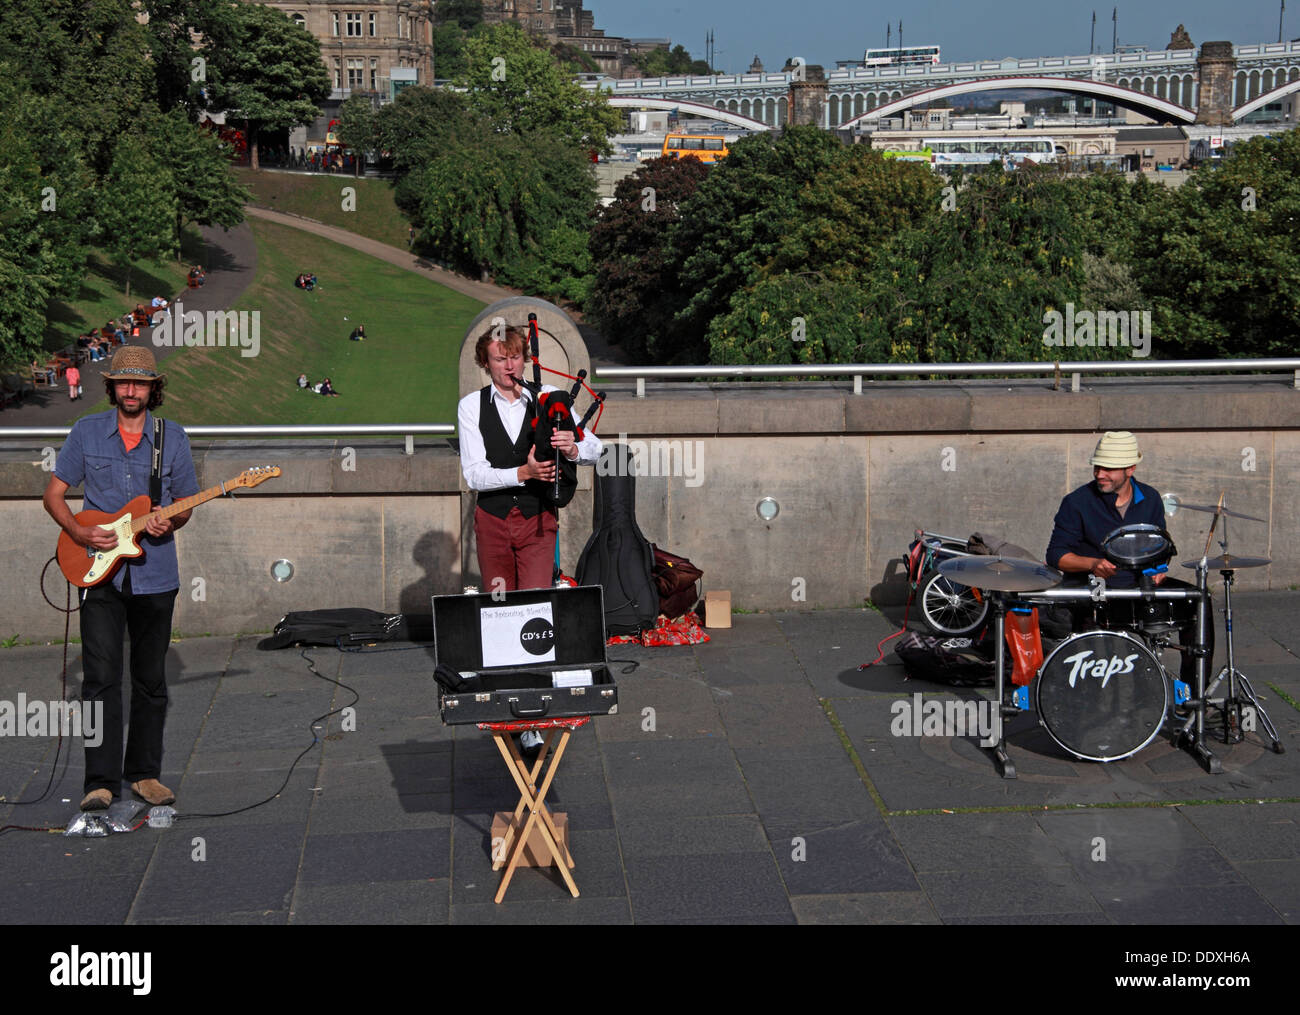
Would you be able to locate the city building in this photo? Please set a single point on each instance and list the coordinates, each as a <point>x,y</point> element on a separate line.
<point>373,47</point>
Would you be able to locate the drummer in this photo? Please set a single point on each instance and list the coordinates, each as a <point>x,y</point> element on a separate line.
<point>1096,509</point>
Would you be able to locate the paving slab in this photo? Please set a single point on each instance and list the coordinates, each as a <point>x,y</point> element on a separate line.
<point>766,786</point>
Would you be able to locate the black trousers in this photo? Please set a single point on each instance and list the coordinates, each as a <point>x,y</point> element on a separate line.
<point>106,616</point>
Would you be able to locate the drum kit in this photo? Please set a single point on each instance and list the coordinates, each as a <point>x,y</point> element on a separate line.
<point>1104,694</point>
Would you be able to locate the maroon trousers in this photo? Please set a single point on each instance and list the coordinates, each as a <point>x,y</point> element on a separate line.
<point>515,550</point>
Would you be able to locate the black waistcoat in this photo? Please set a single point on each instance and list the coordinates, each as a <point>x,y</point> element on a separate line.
<point>501,454</point>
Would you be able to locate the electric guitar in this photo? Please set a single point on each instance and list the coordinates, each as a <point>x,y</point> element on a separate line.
<point>85,566</point>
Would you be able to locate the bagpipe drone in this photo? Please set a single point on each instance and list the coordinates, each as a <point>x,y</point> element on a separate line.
<point>554,411</point>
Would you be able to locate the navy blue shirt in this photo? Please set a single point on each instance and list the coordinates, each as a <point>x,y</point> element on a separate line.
<point>94,456</point>
<point>1087,516</point>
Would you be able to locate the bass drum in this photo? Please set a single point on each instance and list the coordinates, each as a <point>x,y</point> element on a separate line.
<point>1102,695</point>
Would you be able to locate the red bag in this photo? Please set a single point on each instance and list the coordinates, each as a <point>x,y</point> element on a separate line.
<point>1024,645</point>
<point>675,578</point>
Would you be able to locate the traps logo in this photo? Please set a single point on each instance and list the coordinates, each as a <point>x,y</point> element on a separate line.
<point>537,636</point>
<point>1103,669</point>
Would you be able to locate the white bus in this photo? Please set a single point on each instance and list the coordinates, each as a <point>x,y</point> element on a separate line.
<point>897,55</point>
<point>980,151</point>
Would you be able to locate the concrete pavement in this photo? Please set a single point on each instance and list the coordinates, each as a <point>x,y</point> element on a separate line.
<point>753,779</point>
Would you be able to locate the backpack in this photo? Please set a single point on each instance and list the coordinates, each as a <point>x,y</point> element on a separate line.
<point>349,625</point>
<point>961,662</point>
<point>675,579</point>
<point>618,556</point>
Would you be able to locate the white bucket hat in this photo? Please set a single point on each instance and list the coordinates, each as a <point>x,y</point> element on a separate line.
<point>1117,449</point>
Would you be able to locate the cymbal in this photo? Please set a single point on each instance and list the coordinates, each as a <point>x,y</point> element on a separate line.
<point>1001,574</point>
<point>1227,562</point>
<point>1211,509</point>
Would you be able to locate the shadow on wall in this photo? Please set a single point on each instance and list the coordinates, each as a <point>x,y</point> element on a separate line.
<point>437,554</point>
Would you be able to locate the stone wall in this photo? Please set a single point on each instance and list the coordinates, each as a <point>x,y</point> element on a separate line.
<point>853,475</point>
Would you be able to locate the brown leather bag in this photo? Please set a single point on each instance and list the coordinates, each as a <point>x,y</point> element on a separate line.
<point>675,577</point>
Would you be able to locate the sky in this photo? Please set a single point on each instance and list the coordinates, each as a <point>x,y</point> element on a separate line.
<point>823,31</point>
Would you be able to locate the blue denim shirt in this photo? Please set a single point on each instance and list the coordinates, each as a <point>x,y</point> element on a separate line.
<point>1087,516</point>
<point>94,456</point>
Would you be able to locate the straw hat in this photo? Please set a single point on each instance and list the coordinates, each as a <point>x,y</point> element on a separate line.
<point>133,363</point>
<point>1117,449</point>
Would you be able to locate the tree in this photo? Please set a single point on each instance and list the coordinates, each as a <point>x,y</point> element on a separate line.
<point>733,225</point>
<point>634,293</point>
<point>519,89</point>
<point>494,219</point>
<point>183,37</point>
<point>271,75</point>
<point>137,208</point>
<point>92,55</point>
<point>974,283</point>
<point>358,128</point>
<point>205,189</point>
<point>1220,261</point>
<point>660,63</point>
<point>807,304</point>
<point>465,14</point>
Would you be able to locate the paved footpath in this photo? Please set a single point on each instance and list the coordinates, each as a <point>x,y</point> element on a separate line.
<point>752,779</point>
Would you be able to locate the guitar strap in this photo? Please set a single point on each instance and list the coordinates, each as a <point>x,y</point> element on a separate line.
<point>155,472</point>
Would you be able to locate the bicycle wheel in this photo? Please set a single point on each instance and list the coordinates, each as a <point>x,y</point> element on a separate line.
<point>948,608</point>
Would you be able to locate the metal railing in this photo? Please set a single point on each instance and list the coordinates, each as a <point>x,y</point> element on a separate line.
<point>859,370</point>
<point>407,430</point>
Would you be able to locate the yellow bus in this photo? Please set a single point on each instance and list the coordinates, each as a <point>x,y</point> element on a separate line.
<point>708,148</point>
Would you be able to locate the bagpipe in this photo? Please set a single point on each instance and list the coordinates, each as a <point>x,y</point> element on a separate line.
<point>553,411</point>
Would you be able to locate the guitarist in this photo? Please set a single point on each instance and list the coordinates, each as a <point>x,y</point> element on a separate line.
<point>110,454</point>
<point>514,523</point>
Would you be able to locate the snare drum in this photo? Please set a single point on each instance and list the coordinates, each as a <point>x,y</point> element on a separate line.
<point>1102,695</point>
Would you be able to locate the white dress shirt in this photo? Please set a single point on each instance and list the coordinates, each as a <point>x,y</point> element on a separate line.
<point>478,471</point>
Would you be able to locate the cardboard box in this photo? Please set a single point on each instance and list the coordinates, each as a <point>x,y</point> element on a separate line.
<point>717,608</point>
<point>536,854</point>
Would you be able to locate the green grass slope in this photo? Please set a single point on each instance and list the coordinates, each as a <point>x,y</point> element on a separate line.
<point>406,370</point>
<point>322,198</point>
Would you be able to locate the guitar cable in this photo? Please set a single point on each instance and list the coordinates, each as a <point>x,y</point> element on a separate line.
<point>67,611</point>
<point>315,739</point>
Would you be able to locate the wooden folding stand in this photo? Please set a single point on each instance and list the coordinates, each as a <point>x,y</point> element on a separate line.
<point>511,851</point>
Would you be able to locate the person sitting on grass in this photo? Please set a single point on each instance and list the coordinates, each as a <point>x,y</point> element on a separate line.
<point>358,333</point>
<point>305,281</point>
<point>303,382</point>
<point>326,388</point>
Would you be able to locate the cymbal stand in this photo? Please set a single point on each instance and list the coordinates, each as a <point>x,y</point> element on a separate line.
<point>1195,741</point>
<point>998,603</point>
<point>1239,691</point>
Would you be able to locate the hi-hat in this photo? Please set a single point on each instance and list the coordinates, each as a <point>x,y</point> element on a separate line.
<point>1211,509</point>
<point>1227,562</point>
<point>1001,574</point>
